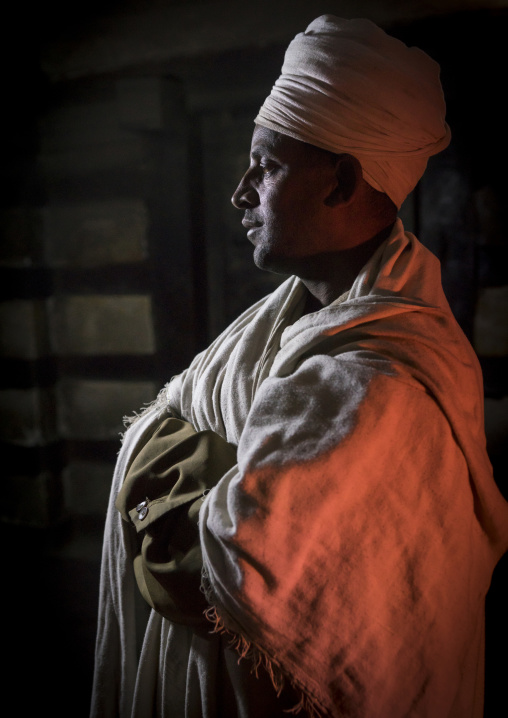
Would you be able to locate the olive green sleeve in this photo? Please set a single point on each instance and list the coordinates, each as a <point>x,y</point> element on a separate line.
<point>161,497</point>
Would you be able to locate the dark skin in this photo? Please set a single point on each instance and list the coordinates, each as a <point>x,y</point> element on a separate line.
<point>336,271</point>
<point>309,212</point>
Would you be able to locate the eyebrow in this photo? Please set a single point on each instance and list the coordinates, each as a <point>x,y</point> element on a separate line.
<point>261,150</point>
<point>258,153</point>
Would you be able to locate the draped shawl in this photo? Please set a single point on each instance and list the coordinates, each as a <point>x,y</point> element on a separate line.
<point>354,542</point>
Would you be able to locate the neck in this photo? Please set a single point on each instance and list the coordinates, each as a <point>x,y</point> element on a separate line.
<point>330,274</point>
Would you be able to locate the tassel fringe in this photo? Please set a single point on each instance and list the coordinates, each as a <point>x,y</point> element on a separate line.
<point>259,658</point>
<point>160,403</point>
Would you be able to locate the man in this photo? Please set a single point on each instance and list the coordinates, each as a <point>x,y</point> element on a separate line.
<point>316,482</point>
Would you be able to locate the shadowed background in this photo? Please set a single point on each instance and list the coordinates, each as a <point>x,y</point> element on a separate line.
<point>126,127</point>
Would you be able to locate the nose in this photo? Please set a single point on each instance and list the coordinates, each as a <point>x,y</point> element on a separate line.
<point>245,196</point>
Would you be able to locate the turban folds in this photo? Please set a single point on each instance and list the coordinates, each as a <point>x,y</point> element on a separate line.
<point>347,86</point>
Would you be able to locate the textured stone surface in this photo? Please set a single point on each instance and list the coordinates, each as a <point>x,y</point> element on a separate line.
<point>447,230</point>
<point>157,32</point>
<point>84,119</point>
<point>22,334</point>
<point>491,322</point>
<point>86,486</point>
<point>496,421</point>
<point>95,233</point>
<point>20,231</point>
<point>75,164</point>
<point>148,103</point>
<point>31,500</point>
<point>496,429</point>
<point>102,324</point>
<point>95,409</point>
<point>27,416</point>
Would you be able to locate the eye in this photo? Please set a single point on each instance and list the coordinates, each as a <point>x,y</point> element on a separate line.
<point>267,168</point>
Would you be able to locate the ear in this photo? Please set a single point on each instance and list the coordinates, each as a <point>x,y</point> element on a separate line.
<point>348,175</point>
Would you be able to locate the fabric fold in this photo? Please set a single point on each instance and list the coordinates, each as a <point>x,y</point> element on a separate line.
<point>160,499</point>
<point>354,540</point>
<point>347,86</point>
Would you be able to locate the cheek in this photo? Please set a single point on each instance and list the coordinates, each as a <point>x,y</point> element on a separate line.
<point>289,208</point>
<point>280,203</point>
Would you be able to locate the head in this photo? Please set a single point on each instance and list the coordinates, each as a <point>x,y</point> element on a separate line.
<point>302,203</point>
<point>348,87</point>
<point>341,140</point>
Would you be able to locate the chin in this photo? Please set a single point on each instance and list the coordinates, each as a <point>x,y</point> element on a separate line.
<point>269,262</point>
<point>281,262</point>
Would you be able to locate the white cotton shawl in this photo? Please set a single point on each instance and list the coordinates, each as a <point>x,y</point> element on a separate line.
<point>347,86</point>
<point>354,543</point>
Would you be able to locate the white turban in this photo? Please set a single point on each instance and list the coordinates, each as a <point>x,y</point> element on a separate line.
<point>347,86</point>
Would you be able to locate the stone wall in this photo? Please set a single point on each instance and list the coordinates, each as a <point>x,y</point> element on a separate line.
<point>126,127</point>
<point>122,255</point>
<point>81,344</point>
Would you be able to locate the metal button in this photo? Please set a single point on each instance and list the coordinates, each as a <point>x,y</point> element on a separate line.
<point>143,511</point>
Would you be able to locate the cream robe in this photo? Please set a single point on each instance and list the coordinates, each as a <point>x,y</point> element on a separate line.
<point>354,542</point>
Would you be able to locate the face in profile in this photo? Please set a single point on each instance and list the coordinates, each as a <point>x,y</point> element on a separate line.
<point>283,195</point>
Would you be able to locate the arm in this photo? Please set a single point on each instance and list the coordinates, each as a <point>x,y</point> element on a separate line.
<point>159,502</point>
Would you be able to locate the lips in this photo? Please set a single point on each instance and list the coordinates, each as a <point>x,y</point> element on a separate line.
<point>250,223</point>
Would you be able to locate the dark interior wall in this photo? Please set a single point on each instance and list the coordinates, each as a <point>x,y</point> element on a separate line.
<point>122,255</point>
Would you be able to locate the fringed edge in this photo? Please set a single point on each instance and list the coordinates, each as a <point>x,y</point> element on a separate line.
<point>160,403</point>
<point>259,657</point>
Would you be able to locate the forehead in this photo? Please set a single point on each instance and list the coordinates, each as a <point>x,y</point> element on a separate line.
<point>266,139</point>
<point>269,142</point>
